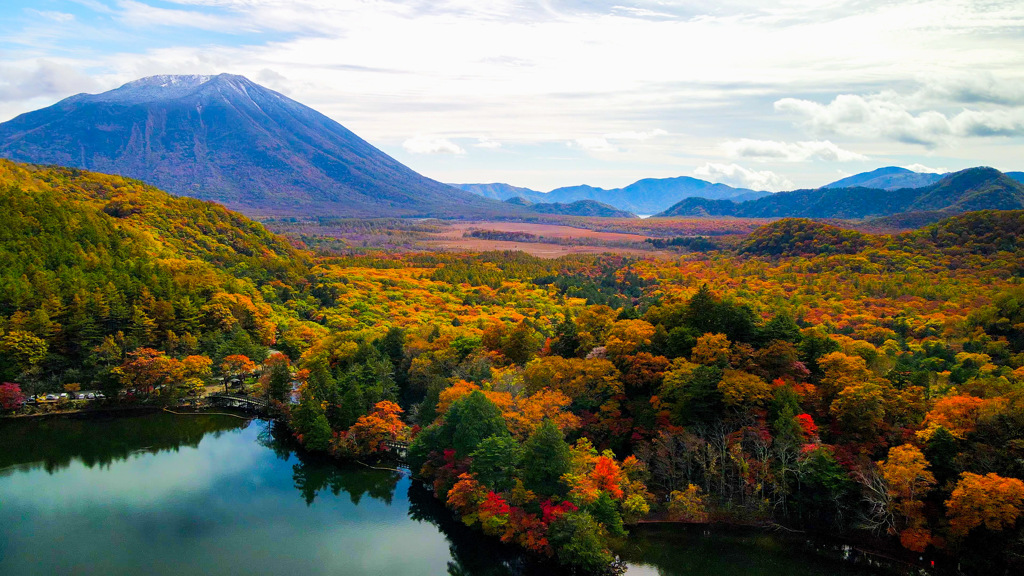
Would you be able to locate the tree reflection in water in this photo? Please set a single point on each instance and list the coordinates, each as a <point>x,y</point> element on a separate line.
<point>313,474</point>
<point>53,443</point>
<point>474,554</point>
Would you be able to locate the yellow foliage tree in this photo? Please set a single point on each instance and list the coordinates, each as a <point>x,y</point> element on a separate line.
<point>627,337</point>
<point>687,505</point>
<point>907,480</point>
<point>711,349</point>
<point>744,389</point>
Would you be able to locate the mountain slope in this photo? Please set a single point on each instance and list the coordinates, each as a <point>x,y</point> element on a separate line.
<point>979,188</point>
<point>175,227</point>
<point>499,191</point>
<point>93,266</point>
<point>981,232</point>
<point>577,208</point>
<point>818,203</point>
<point>967,190</point>
<point>227,139</point>
<point>888,178</point>
<point>800,236</point>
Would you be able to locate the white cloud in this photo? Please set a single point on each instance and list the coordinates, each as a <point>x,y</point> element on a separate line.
<point>988,123</point>
<point>140,479</point>
<point>735,175</point>
<point>925,169</point>
<point>771,150</point>
<point>54,15</point>
<point>594,71</point>
<point>487,143</point>
<point>639,136</point>
<point>884,116</point>
<point>594,144</point>
<point>608,142</point>
<point>431,145</point>
<point>140,14</point>
<point>976,87</point>
<point>42,78</point>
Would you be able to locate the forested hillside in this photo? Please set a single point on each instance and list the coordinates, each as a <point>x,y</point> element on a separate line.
<point>577,208</point>
<point>968,190</point>
<point>821,378</point>
<point>815,378</point>
<point>93,267</point>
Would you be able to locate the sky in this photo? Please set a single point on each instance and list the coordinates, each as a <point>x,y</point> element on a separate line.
<point>548,93</point>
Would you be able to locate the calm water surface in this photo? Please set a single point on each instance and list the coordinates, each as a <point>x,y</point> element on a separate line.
<point>165,494</point>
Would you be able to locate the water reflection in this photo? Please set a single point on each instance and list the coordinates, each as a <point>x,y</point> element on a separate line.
<point>314,474</point>
<point>471,555</point>
<point>54,443</point>
<point>219,503</point>
<point>163,494</point>
<point>687,550</point>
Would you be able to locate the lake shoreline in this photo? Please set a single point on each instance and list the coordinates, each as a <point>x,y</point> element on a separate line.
<point>855,549</point>
<point>86,413</point>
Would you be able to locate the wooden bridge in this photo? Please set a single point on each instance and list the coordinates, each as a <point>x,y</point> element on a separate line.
<point>397,449</point>
<point>247,403</point>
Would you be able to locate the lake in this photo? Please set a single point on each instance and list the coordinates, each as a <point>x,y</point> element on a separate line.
<point>209,494</point>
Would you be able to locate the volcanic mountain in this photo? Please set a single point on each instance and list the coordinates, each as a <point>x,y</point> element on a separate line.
<point>227,139</point>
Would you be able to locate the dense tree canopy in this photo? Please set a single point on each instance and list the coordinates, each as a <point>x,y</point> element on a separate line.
<point>816,378</point>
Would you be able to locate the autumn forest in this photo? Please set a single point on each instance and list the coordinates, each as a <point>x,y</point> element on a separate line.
<point>789,374</point>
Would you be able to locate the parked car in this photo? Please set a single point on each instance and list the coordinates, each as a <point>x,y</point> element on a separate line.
<point>91,396</point>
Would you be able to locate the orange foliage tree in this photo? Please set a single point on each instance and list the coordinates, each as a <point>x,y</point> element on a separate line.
<point>370,431</point>
<point>990,500</point>
<point>960,414</point>
<point>236,365</point>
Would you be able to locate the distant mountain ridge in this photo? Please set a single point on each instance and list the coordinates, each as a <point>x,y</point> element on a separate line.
<point>709,199</point>
<point>888,178</point>
<point>577,208</point>
<point>647,196</point>
<point>968,190</point>
<point>227,139</point>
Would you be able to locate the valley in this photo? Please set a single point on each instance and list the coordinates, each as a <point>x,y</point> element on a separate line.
<point>542,240</point>
<point>536,393</point>
<point>548,373</point>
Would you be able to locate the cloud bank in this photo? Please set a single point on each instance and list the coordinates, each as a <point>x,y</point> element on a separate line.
<point>804,87</point>
<point>768,150</point>
<point>885,116</point>
<point>432,145</point>
<point>738,176</point>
